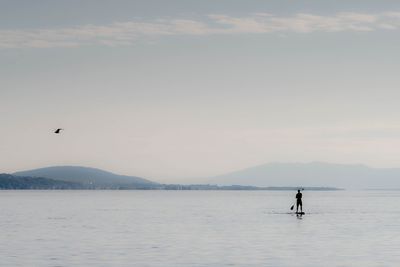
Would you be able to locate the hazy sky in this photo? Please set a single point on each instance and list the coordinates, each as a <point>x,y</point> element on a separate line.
<point>174,89</point>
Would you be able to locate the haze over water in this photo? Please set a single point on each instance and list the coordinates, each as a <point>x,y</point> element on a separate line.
<point>198,228</point>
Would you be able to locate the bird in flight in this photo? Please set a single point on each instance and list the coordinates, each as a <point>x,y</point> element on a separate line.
<point>58,131</point>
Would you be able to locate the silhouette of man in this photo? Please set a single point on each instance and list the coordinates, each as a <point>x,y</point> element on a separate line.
<point>298,201</point>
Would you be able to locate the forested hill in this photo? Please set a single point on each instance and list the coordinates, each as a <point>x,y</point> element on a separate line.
<point>8,181</point>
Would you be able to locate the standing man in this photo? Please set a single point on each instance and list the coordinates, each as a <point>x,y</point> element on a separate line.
<point>299,202</point>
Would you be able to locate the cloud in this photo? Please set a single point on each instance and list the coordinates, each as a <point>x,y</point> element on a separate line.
<point>126,33</point>
<point>300,23</point>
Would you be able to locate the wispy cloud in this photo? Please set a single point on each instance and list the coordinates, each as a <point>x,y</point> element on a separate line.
<point>126,33</point>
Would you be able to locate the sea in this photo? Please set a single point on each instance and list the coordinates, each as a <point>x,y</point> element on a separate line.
<point>198,228</point>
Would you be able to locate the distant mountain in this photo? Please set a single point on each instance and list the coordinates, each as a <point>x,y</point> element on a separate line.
<point>8,181</point>
<point>88,176</point>
<point>313,174</point>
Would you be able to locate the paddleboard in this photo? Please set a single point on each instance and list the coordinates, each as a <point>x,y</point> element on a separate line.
<point>300,213</point>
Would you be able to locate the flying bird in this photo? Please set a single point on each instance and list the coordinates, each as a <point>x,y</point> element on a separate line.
<point>58,131</point>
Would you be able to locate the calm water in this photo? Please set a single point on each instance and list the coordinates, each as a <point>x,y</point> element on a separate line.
<point>199,228</point>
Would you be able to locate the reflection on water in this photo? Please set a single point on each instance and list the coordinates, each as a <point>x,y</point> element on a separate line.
<point>198,228</point>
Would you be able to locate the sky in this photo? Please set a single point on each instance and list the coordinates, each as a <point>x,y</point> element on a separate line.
<point>174,90</point>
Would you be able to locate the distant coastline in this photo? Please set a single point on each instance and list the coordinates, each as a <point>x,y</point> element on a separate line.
<point>12,182</point>
<point>247,188</point>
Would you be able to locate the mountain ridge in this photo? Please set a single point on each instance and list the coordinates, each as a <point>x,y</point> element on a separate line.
<point>84,175</point>
<point>275,174</point>
<point>316,173</point>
